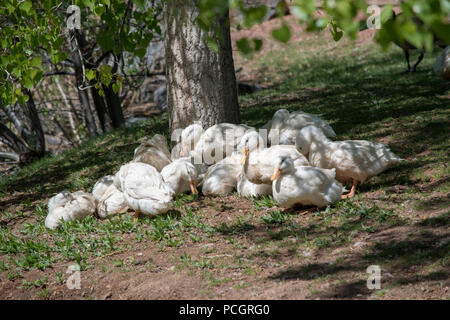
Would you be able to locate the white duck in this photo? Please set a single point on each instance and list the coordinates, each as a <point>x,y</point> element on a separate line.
<point>189,139</point>
<point>144,189</point>
<point>154,152</point>
<point>215,143</point>
<point>258,163</point>
<point>175,152</point>
<point>354,160</point>
<point>284,126</point>
<point>181,175</point>
<point>66,206</point>
<point>304,185</point>
<point>110,200</point>
<point>247,189</point>
<point>222,177</point>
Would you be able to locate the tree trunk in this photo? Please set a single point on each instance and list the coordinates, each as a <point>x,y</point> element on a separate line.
<point>114,106</point>
<point>37,143</point>
<point>100,107</point>
<point>81,85</point>
<point>201,84</point>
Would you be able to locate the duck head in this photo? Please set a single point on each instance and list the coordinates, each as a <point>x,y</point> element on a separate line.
<point>249,142</point>
<point>282,165</point>
<point>190,173</point>
<point>189,138</point>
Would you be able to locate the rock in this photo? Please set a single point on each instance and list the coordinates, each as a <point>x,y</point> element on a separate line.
<point>442,64</point>
<point>160,97</point>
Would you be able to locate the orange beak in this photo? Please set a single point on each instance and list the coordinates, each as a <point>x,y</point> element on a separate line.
<point>245,153</point>
<point>193,187</point>
<point>276,174</point>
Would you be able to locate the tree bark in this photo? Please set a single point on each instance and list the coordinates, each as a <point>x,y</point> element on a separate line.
<point>201,84</point>
<point>37,143</point>
<point>100,107</point>
<point>114,107</point>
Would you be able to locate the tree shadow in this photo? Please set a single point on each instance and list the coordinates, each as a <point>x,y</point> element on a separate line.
<point>398,255</point>
<point>91,161</point>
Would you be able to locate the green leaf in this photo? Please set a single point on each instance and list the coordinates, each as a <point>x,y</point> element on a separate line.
<point>90,74</point>
<point>115,88</point>
<point>58,56</point>
<point>27,82</point>
<point>254,15</point>
<point>106,41</point>
<point>337,35</point>
<point>282,34</point>
<point>442,31</point>
<point>90,4</point>
<point>258,44</point>
<point>26,6</point>
<point>105,74</point>
<point>23,98</point>
<point>244,45</point>
<point>36,62</point>
<point>140,52</point>
<point>36,75</point>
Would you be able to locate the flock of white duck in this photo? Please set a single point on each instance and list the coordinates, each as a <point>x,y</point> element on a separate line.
<point>302,166</point>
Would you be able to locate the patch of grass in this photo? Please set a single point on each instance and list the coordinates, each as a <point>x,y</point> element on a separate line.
<point>38,283</point>
<point>238,227</point>
<point>264,202</point>
<point>275,217</point>
<point>182,199</point>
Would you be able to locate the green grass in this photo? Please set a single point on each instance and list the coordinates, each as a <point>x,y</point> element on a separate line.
<point>360,90</point>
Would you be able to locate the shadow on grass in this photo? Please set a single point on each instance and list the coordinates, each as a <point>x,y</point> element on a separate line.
<point>371,100</point>
<point>397,253</point>
<point>77,168</point>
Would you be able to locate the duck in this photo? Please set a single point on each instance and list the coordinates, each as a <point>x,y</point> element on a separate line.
<point>258,162</point>
<point>67,206</point>
<point>215,143</point>
<point>175,152</point>
<point>154,152</point>
<point>110,200</point>
<point>189,139</point>
<point>144,189</point>
<point>355,161</point>
<point>305,185</point>
<point>222,177</point>
<point>247,189</point>
<point>284,126</point>
<point>181,176</point>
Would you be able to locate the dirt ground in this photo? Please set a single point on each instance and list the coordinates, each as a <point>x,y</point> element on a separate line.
<point>250,257</point>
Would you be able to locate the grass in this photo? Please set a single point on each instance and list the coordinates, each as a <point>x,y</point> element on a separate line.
<point>364,95</point>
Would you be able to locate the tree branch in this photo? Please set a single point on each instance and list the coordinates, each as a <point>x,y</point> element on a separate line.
<point>55,73</point>
<point>8,155</point>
